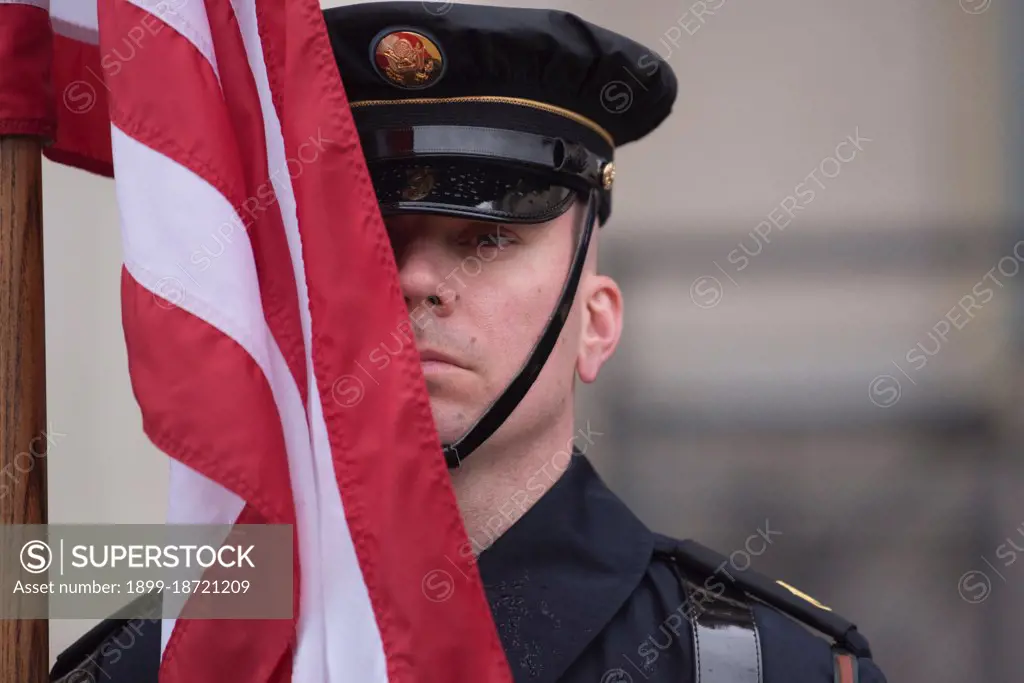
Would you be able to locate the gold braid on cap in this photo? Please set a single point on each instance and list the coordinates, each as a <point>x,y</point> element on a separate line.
<point>550,108</point>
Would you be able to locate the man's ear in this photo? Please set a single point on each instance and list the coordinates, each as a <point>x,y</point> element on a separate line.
<point>601,326</point>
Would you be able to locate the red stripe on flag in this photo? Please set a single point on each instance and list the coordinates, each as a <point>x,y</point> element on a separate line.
<point>213,410</point>
<point>395,487</point>
<point>267,233</point>
<point>225,650</point>
<point>271,20</point>
<point>205,401</point>
<point>26,92</point>
<point>218,417</point>
<point>168,98</point>
<point>83,124</point>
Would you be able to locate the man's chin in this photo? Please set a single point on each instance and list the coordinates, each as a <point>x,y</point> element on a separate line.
<point>451,418</point>
<point>450,434</point>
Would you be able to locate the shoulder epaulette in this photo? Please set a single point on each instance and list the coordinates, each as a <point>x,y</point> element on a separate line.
<point>776,594</point>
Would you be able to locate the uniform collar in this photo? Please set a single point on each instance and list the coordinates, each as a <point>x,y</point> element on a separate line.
<point>562,571</point>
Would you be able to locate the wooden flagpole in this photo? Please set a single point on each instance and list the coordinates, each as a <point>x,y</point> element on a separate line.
<point>24,645</point>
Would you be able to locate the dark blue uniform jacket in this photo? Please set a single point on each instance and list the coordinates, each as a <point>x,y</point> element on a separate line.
<point>583,592</point>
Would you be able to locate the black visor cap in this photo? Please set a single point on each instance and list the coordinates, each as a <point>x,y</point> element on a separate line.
<point>474,189</point>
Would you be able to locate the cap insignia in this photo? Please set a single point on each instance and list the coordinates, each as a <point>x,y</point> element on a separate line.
<point>408,59</point>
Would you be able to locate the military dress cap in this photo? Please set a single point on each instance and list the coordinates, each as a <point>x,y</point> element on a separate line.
<point>496,113</point>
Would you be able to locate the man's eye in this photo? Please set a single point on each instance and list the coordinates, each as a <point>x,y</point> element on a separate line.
<point>493,239</point>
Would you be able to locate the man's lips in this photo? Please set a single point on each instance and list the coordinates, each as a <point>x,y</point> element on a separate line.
<point>430,356</point>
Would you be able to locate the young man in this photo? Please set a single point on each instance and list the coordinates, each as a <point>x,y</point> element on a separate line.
<point>490,133</point>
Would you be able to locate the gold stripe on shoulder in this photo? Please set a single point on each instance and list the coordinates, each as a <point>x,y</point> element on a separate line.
<point>805,596</point>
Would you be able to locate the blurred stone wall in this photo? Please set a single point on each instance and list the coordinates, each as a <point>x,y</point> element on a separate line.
<point>820,371</point>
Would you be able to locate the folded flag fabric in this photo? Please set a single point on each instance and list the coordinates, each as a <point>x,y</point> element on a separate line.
<point>257,277</point>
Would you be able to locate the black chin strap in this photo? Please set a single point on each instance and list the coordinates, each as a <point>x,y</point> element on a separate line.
<point>495,416</point>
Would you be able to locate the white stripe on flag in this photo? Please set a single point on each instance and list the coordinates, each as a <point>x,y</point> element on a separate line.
<point>196,499</point>
<point>225,295</point>
<point>187,18</point>
<point>76,19</point>
<point>338,611</point>
<point>84,13</point>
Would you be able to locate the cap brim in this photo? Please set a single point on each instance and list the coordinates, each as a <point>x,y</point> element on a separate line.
<point>476,189</point>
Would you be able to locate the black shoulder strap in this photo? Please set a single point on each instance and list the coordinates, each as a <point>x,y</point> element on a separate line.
<point>726,642</point>
<point>777,594</point>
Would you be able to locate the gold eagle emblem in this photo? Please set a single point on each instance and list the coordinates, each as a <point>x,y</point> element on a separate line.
<point>408,59</point>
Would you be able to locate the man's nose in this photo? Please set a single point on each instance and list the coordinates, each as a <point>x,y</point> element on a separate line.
<point>422,277</point>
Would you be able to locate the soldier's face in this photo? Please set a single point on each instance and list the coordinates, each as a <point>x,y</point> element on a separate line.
<point>480,295</point>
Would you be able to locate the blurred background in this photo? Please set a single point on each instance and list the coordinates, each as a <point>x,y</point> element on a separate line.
<point>843,366</point>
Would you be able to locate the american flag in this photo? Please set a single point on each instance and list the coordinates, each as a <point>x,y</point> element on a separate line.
<point>257,276</point>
